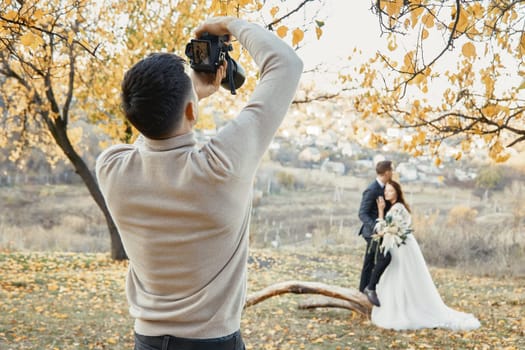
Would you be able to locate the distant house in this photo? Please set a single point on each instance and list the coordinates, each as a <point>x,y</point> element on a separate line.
<point>333,167</point>
<point>463,175</point>
<point>310,154</point>
<point>407,171</point>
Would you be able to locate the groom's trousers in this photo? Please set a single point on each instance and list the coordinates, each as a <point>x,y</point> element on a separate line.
<point>373,266</point>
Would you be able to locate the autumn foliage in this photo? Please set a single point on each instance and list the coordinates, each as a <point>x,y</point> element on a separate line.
<point>62,62</point>
<point>452,70</point>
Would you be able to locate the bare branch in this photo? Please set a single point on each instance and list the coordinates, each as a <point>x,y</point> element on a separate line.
<point>70,87</point>
<point>280,19</point>
<point>92,52</point>
<point>516,141</point>
<point>324,97</point>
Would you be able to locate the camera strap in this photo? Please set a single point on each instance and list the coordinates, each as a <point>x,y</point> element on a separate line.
<point>230,71</point>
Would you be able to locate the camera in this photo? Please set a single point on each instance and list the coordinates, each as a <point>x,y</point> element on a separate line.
<point>209,52</point>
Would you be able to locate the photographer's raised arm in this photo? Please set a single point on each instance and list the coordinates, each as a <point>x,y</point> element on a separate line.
<point>242,142</point>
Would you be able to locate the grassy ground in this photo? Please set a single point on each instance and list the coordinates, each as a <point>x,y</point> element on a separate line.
<point>77,301</point>
<point>52,300</point>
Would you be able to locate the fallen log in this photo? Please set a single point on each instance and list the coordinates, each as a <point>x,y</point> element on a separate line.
<point>353,299</point>
<point>322,301</point>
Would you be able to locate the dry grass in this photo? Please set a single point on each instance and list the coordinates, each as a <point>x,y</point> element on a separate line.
<point>454,228</point>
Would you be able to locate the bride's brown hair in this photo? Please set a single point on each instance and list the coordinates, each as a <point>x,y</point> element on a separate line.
<point>400,196</point>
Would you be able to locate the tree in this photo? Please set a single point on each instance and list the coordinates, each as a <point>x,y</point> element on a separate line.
<point>63,60</point>
<point>489,178</point>
<point>478,98</point>
<point>41,58</point>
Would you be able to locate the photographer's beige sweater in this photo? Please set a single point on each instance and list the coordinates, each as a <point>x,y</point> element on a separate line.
<point>183,212</point>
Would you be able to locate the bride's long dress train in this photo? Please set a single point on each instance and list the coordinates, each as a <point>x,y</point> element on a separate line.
<point>409,299</point>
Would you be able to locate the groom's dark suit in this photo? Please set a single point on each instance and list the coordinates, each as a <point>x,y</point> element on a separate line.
<point>368,214</point>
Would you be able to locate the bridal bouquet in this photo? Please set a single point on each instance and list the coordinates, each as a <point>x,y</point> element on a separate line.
<point>393,235</point>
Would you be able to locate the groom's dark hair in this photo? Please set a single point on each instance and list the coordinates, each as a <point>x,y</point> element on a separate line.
<point>383,166</point>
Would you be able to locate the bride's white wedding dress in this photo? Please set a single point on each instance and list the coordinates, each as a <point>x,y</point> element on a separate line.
<point>409,299</point>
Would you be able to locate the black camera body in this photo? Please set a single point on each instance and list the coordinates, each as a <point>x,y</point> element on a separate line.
<point>209,52</point>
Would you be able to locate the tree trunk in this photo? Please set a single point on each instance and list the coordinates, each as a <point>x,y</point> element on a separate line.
<point>117,249</point>
<point>60,135</point>
<point>347,298</point>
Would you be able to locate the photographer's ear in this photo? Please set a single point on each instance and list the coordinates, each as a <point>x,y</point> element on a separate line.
<point>191,113</point>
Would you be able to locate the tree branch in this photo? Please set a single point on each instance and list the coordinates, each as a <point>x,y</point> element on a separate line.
<point>52,33</point>
<point>413,75</point>
<point>280,19</point>
<point>70,87</point>
<point>355,299</point>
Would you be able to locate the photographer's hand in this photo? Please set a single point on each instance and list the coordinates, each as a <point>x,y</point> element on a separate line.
<point>207,84</point>
<point>381,205</point>
<point>215,26</point>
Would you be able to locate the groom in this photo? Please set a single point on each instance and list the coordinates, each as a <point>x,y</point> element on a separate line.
<point>373,266</point>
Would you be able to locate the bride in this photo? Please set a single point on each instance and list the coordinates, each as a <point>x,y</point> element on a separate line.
<point>409,299</point>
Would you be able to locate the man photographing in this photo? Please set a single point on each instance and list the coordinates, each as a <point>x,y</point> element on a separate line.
<point>183,212</point>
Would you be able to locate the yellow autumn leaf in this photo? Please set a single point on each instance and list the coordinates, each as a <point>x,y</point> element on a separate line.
<point>70,37</point>
<point>428,20</point>
<point>469,50</point>
<point>463,21</point>
<point>424,34</point>
<point>297,36</point>
<point>392,7</point>
<point>522,44</point>
<point>11,15</point>
<point>477,10</point>
<point>496,150</point>
<point>490,110</point>
<point>408,64</point>
<point>392,43</point>
<point>437,161</point>
<point>420,138</point>
<point>318,32</point>
<point>502,157</point>
<point>465,145</point>
<point>318,340</point>
<point>282,31</point>
<point>245,2</point>
<point>274,11</point>
<point>37,15</point>
<point>31,40</point>
<point>52,287</point>
<point>414,16</point>
<point>406,24</point>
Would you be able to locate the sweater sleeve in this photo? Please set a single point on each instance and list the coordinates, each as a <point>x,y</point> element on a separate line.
<point>243,141</point>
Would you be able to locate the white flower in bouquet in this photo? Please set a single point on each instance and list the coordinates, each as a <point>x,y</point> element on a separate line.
<point>392,235</point>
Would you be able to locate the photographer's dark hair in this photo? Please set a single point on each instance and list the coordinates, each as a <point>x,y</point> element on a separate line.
<point>383,166</point>
<point>400,195</point>
<point>154,94</point>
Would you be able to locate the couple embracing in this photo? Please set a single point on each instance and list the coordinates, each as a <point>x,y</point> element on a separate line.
<point>395,277</point>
